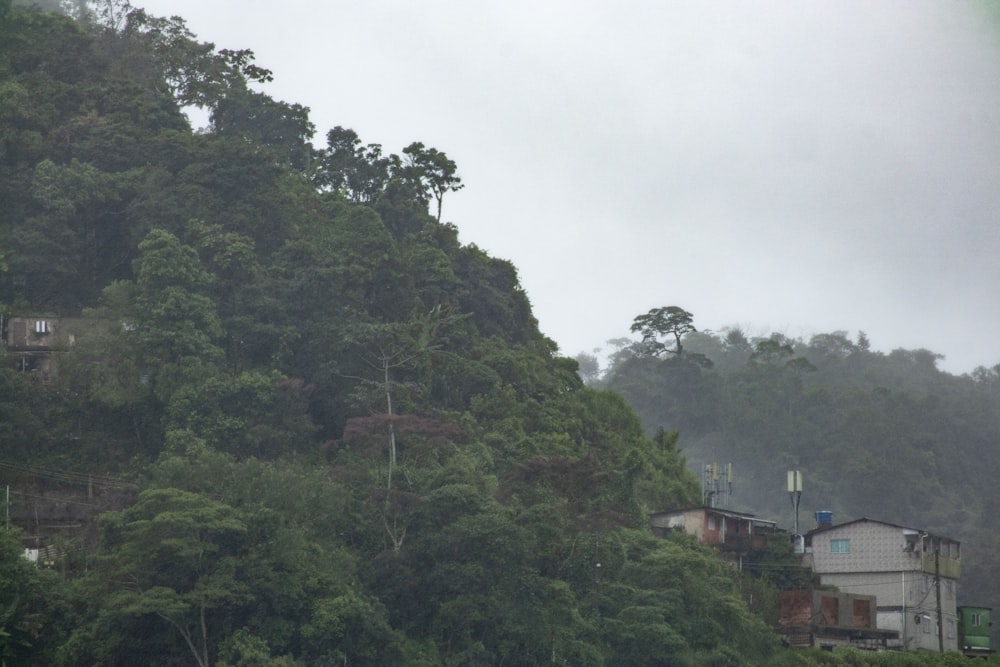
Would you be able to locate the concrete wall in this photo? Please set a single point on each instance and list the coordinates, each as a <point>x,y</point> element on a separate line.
<point>920,595</point>
<point>874,547</point>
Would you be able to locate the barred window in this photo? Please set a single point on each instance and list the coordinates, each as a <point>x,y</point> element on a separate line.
<point>840,546</point>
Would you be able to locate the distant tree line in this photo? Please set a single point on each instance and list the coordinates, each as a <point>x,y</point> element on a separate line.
<point>886,435</point>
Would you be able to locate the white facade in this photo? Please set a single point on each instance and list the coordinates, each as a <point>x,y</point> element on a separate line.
<point>913,575</point>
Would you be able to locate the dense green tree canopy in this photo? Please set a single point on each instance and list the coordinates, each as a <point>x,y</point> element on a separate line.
<point>883,435</point>
<point>334,434</point>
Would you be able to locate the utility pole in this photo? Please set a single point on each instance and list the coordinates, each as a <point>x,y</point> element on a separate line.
<point>937,587</point>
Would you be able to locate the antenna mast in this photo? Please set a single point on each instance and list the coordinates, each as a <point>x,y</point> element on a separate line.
<point>717,485</point>
<point>795,494</point>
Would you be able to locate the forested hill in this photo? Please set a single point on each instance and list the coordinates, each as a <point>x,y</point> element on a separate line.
<point>348,441</point>
<point>882,435</point>
<point>327,431</point>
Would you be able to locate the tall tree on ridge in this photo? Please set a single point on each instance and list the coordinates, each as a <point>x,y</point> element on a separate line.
<point>435,171</point>
<point>662,323</point>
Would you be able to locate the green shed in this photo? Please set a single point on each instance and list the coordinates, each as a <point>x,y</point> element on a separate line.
<point>974,630</point>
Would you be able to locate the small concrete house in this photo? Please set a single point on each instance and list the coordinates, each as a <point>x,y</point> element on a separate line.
<point>723,529</point>
<point>33,342</point>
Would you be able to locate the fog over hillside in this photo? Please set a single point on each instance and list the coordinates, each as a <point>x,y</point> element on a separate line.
<point>782,166</point>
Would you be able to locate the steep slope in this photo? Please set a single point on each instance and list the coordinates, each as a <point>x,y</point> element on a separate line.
<point>352,444</point>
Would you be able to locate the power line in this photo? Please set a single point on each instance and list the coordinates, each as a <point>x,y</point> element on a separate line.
<point>65,476</point>
<point>54,500</point>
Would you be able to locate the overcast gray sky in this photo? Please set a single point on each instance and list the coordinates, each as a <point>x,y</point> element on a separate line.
<point>801,167</point>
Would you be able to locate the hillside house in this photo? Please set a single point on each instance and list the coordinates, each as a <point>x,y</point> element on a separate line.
<point>32,343</point>
<point>720,528</point>
<point>913,575</point>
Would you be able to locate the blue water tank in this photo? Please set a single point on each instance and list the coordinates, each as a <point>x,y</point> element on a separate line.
<point>824,518</point>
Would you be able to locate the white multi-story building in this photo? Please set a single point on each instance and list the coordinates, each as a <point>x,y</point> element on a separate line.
<point>913,575</point>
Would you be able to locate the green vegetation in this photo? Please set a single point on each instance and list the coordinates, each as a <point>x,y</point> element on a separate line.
<point>349,442</point>
<point>887,436</point>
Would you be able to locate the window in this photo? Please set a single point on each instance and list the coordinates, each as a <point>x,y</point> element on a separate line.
<point>840,546</point>
<point>977,620</point>
<point>949,589</point>
<point>41,326</point>
<point>711,522</point>
<point>926,622</point>
<point>951,628</point>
